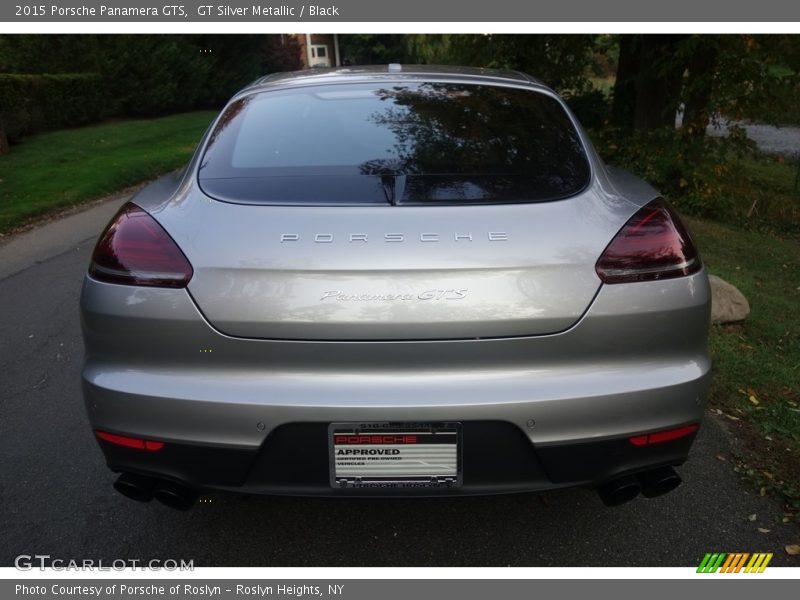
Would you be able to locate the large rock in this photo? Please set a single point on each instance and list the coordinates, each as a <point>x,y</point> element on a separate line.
<point>728,304</point>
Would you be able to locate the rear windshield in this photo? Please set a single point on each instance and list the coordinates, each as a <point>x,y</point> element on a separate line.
<point>394,143</point>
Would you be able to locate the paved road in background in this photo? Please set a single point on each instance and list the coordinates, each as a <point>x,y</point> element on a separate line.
<point>772,139</point>
<point>56,496</point>
<point>783,140</point>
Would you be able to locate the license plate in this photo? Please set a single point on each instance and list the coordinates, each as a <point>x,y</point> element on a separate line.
<point>395,455</point>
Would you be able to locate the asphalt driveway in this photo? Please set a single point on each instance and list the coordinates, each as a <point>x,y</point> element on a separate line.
<point>56,494</point>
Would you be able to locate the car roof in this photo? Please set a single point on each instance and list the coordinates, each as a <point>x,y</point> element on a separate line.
<point>394,72</point>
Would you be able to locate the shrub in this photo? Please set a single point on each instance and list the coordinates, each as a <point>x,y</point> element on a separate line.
<point>234,61</point>
<point>695,171</point>
<point>148,76</point>
<point>591,108</point>
<point>34,103</point>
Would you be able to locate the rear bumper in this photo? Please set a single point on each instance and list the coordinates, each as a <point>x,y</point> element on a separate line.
<point>515,436</point>
<point>497,458</point>
<point>537,412</point>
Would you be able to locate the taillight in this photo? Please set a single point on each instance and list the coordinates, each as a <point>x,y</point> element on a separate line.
<point>135,250</point>
<point>653,244</point>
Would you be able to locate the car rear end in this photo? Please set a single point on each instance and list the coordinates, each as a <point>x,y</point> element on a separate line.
<point>395,284</point>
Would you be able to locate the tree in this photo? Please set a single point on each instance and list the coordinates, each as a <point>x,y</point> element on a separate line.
<point>373,48</point>
<point>711,76</point>
<point>698,104</point>
<point>560,61</point>
<point>281,53</point>
<point>647,91</point>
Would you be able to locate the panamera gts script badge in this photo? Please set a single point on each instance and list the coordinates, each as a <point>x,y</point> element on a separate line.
<point>429,237</point>
<point>426,295</point>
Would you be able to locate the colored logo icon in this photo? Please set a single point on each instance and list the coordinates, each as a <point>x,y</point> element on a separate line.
<point>737,562</point>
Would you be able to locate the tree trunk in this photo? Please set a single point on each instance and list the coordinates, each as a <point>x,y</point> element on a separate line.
<point>648,85</point>
<point>3,141</point>
<point>625,84</point>
<point>658,86</point>
<point>699,86</point>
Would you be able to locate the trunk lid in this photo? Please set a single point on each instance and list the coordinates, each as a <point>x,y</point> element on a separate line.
<point>394,272</point>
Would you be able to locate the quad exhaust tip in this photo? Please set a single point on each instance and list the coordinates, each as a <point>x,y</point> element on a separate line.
<point>658,481</point>
<point>619,491</point>
<point>175,495</point>
<point>650,484</point>
<point>143,489</point>
<point>135,487</point>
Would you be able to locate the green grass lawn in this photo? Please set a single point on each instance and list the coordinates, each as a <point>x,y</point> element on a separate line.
<point>764,192</point>
<point>54,170</point>
<point>756,383</point>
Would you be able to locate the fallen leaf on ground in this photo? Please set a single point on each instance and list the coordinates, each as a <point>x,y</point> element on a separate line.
<point>762,530</point>
<point>753,517</point>
<point>793,549</point>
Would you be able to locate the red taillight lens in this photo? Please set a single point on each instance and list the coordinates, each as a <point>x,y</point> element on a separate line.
<point>653,244</point>
<point>135,250</point>
<point>129,442</point>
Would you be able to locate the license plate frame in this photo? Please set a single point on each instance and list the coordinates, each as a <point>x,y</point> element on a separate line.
<point>438,441</point>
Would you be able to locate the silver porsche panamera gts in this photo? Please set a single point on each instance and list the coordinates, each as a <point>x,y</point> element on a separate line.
<point>395,281</point>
